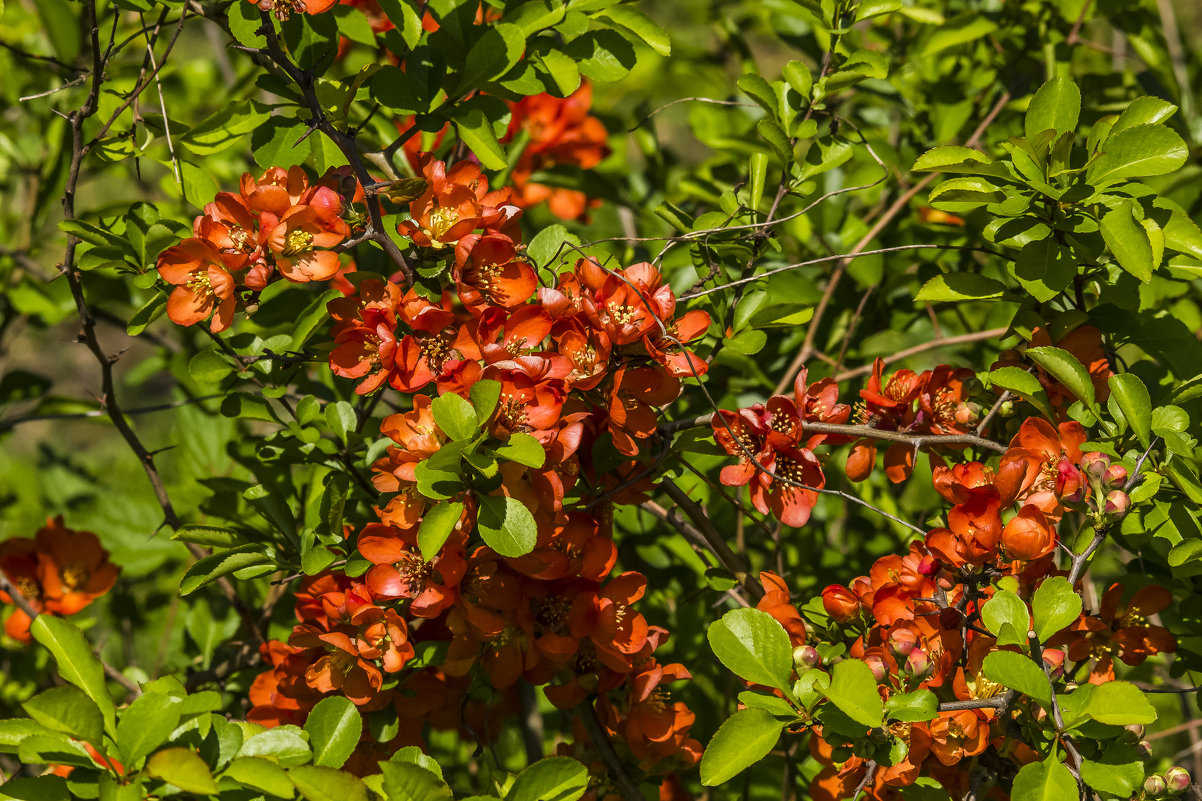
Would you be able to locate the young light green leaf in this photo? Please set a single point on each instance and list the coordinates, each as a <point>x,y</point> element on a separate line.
<point>647,29</point>
<point>1024,385</point>
<point>76,662</point>
<point>551,779</point>
<point>1055,605</point>
<point>523,449</point>
<point>744,739</point>
<point>1138,152</point>
<point>853,690</point>
<point>484,395</point>
<point>1065,368</point>
<point>321,783</point>
<point>1128,241</point>
<point>455,416</point>
<point>404,781</point>
<point>1132,397</point>
<point>1018,672</point>
<point>959,287</point>
<point>67,709</point>
<point>1006,617</point>
<point>1044,781</point>
<point>1056,106</point>
<point>183,768</point>
<point>437,524</point>
<point>146,724</point>
<point>260,773</point>
<point>476,131</point>
<point>334,726</point>
<point>506,525</point>
<point>753,646</point>
<point>960,160</point>
<point>1120,703</point>
<point>913,707</point>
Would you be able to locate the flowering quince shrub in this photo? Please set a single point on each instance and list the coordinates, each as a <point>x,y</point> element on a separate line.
<point>540,400</point>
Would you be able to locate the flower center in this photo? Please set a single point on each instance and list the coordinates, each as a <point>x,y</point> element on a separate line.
<point>298,242</point>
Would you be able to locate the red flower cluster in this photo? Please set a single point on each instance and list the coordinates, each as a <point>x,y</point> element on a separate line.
<point>277,223</point>
<point>59,572</point>
<point>915,619</point>
<point>591,356</point>
<point>557,131</point>
<point>283,9</point>
<point>776,456</point>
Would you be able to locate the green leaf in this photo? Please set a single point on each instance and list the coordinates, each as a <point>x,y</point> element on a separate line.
<point>1044,781</point>
<point>1006,617</point>
<point>1143,111</point>
<point>1138,152</point>
<point>965,193</point>
<point>437,524</point>
<point>506,525</point>
<point>959,287</point>
<point>484,395</point>
<point>209,367</point>
<point>334,727</point>
<point>76,662</point>
<point>1132,397</point>
<point>209,536</point>
<point>320,783</point>
<point>919,705</point>
<point>15,730</point>
<point>1128,240</point>
<point>1120,703</point>
<point>183,768</point>
<point>550,779</point>
<point>960,160</point>
<point>1056,605</point>
<point>212,567</point>
<point>408,782</point>
<point>563,70</point>
<point>455,416</point>
<point>853,690</point>
<point>1018,672</point>
<point>753,646</point>
<point>287,745</point>
<point>774,135</point>
<point>491,57</point>
<point>1044,268</point>
<point>523,449</point>
<point>799,77</point>
<point>1023,384</point>
<point>1065,368</point>
<point>758,90</point>
<point>260,774</point>
<point>476,131</point>
<point>743,739</point>
<point>646,29</point>
<point>223,128</point>
<point>1056,106</point>
<point>47,787</point>
<point>439,485</point>
<point>1118,770</point>
<point>67,709</point>
<point>146,724</point>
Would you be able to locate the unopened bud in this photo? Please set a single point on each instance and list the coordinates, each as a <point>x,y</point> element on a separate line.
<point>1145,749</point>
<point>1006,409</point>
<point>919,665</point>
<point>1054,659</point>
<point>1115,477</point>
<point>967,413</point>
<point>1177,779</point>
<point>1137,729</point>
<point>806,656</point>
<point>877,665</point>
<point>1095,465</point>
<point>840,603</point>
<point>1154,785</point>
<point>901,642</point>
<point>1071,484</point>
<point>1117,503</point>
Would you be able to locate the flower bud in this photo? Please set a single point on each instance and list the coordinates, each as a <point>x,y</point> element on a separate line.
<point>919,665</point>
<point>1071,484</point>
<point>901,642</point>
<point>840,603</point>
<point>1006,409</point>
<point>1137,729</point>
<point>1154,785</point>
<point>1145,749</point>
<point>877,665</point>
<point>1054,659</point>
<point>806,656</point>
<point>1177,779</point>
<point>1115,477</point>
<point>1117,503</point>
<point>967,413</point>
<point>1095,464</point>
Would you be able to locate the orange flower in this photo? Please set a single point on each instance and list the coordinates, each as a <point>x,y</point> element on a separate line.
<point>72,567</point>
<point>776,603</point>
<point>203,284</point>
<point>1121,631</point>
<point>1028,535</point>
<point>295,241</point>
<point>956,735</point>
